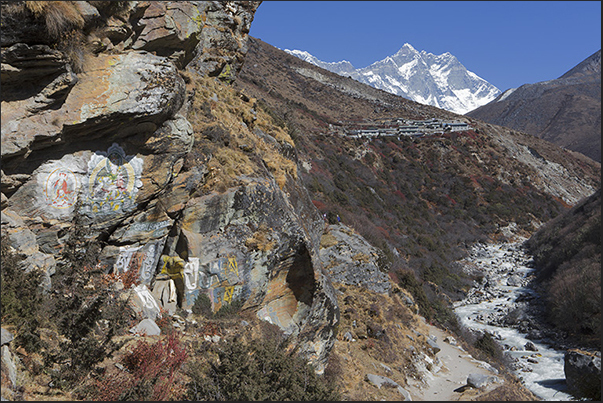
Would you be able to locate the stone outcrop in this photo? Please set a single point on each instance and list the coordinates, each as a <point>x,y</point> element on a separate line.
<point>379,381</point>
<point>583,373</point>
<point>106,154</point>
<point>350,259</point>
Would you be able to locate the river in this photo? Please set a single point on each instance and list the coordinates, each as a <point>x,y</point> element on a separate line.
<point>506,270</point>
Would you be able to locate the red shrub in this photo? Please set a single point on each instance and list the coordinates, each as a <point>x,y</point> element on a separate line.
<point>319,205</point>
<point>150,373</point>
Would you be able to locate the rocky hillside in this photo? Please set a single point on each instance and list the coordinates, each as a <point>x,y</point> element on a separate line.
<point>567,256</point>
<point>159,241</point>
<point>565,111</point>
<point>132,172</point>
<point>157,238</point>
<point>421,200</point>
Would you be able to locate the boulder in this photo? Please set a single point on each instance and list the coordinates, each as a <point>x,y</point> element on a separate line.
<point>146,327</point>
<point>379,381</point>
<point>479,381</point>
<point>282,278</point>
<point>514,281</point>
<point>434,346</point>
<point>530,346</point>
<point>144,303</point>
<point>9,364</point>
<point>6,337</point>
<point>450,340</point>
<point>583,373</point>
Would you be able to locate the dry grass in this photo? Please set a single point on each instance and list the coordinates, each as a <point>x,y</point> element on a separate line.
<point>60,16</point>
<point>238,151</point>
<point>328,240</point>
<point>260,240</point>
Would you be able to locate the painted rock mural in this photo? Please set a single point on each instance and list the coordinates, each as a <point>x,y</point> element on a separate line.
<point>105,155</point>
<point>113,181</point>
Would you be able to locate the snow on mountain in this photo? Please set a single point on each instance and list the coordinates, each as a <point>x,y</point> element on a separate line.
<point>342,68</point>
<point>438,80</point>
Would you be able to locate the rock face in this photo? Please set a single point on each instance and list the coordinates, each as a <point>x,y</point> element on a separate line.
<point>111,148</point>
<point>350,259</point>
<point>583,374</point>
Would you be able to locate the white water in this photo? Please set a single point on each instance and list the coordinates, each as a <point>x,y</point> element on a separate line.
<point>545,378</point>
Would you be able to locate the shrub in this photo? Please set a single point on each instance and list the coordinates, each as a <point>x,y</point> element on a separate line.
<point>22,300</point>
<point>259,370</point>
<point>150,373</point>
<point>229,310</point>
<point>202,306</point>
<point>488,346</point>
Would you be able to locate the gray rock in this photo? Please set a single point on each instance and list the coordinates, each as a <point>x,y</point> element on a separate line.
<point>171,28</point>
<point>7,360</point>
<point>146,327</point>
<point>433,345</point>
<point>480,380</point>
<point>379,381</point>
<point>514,281</point>
<point>6,336</point>
<point>583,373</point>
<point>450,340</point>
<point>144,303</point>
<point>530,346</point>
<point>353,261</point>
<point>386,368</point>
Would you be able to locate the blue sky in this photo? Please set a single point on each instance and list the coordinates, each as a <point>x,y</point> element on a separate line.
<point>507,43</point>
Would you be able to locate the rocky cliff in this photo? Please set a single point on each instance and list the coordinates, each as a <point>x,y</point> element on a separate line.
<point>121,136</point>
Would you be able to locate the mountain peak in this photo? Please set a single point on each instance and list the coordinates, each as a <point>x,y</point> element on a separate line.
<point>590,65</point>
<point>440,81</point>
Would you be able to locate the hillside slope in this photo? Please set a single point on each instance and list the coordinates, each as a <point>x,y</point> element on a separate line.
<point>565,111</point>
<point>567,257</point>
<point>421,200</point>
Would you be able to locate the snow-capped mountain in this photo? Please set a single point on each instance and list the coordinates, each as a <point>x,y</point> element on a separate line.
<point>438,80</point>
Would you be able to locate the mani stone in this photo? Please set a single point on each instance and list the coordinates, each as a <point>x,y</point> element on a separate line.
<point>146,327</point>
<point>583,373</point>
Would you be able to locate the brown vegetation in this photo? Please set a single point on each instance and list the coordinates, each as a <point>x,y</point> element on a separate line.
<point>567,255</point>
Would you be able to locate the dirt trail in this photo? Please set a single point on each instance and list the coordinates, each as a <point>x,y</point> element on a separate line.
<point>456,365</point>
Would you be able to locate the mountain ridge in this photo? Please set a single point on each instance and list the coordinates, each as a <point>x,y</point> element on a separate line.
<point>437,80</point>
<point>565,110</point>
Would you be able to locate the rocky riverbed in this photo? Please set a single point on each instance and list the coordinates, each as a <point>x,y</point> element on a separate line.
<point>503,304</point>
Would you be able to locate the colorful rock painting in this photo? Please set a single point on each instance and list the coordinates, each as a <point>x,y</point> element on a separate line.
<point>191,274</point>
<point>143,258</point>
<point>113,182</point>
<point>173,266</point>
<point>145,303</point>
<point>219,279</point>
<point>61,188</point>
